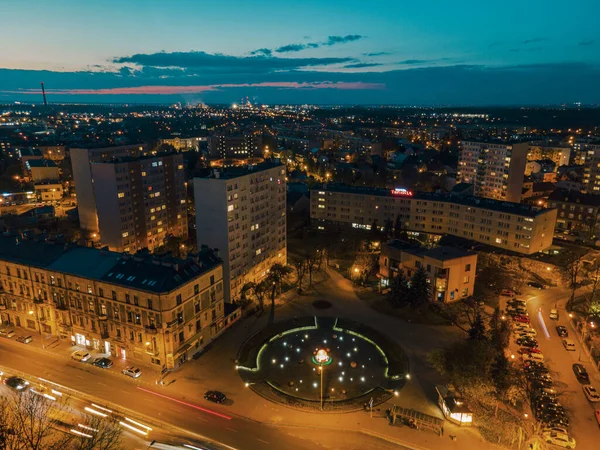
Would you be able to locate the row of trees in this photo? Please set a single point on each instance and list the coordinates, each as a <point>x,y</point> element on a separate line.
<point>32,422</point>
<point>269,286</point>
<point>414,292</point>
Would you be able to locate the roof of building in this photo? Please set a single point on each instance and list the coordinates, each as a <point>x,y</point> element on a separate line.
<point>478,202</point>
<point>567,196</point>
<point>41,163</point>
<point>126,159</point>
<point>145,272</point>
<point>441,253</point>
<point>229,173</point>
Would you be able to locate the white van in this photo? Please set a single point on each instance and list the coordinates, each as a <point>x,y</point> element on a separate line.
<point>569,345</point>
<point>554,314</point>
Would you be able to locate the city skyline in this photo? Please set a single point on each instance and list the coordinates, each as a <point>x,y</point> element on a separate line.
<point>194,52</point>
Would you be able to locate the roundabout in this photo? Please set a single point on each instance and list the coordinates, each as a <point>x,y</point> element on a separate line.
<point>322,363</point>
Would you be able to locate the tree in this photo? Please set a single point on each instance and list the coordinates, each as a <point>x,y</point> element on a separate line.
<point>477,331</point>
<point>277,273</point>
<point>300,267</point>
<point>107,434</point>
<point>375,229</point>
<point>388,230</point>
<point>572,270</point>
<point>419,293</point>
<point>399,232</point>
<point>501,373</point>
<point>499,331</point>
<point>399,290</point>
<point>365,263</point>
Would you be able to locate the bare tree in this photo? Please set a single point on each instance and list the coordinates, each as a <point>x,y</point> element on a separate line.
<point>98,434</point>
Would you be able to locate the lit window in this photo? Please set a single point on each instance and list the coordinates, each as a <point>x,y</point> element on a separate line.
<point>230,208</point>
<point>182,202</point>
<point>143,174</point>
<point>121,194</point>
<point>125,234</point>
<point>160,230</point>
<point>322,206</point>
<point>180,167</point>
<point>498,241</point>
<point>258,251</point>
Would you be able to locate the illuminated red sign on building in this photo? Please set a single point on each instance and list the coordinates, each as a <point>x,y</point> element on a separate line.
<point>402,191</point>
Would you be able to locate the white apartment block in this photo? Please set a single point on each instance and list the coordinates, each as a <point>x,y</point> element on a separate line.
<point>591,169</point>
<point>241,212</point>
<point>495,170</point>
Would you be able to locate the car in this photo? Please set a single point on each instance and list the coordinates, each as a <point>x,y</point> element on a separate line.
<point>555,429</point>
<point>536,369</point>
<point>553,314</point>
<point>591,393</point>
<point>524,350</point>
<point>527,342</point>
<point>554,419</point>
<point>545,400</point>
<point>24,339</point>
<point>133,372</point>
<point>535,284</point>
<point>536,376</point>
<point>528,332</point>
<point>215,396</point>
<point>80,355</point>
<point>516,302</point>
<point>521,318</point>
<point>533,357</point>
<point>540,384</point>
<point>581,374</point>
<point>7,333</point>
<point>597,414</point>
<point>507,293</point>
<point>16,383</point>
<point>569,345</point>
<point>559,439</point>
<point>562,331</point>
<point>105,363</point>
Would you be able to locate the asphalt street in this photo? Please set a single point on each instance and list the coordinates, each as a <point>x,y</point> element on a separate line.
<point>213,422</point>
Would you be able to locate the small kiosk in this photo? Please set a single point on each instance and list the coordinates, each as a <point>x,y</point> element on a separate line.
<point>452,405</point>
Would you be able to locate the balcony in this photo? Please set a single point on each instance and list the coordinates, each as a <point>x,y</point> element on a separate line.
<point>38,300</point>
<point>151,329</point>
<point>104,335</point>
<point>62,307</point>
<point>2,307</point>
<point>102,317</point>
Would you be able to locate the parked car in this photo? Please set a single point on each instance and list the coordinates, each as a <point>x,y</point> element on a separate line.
<point>597,414</point>
<point>559,439</point>
<point>7,333</point>
<point>535,284</point>
<point>81,355</point>
<point>507,292</point>
<point>16,383</point>
<point>554,420</point>
<point>528,332</point>
<point>524,350</point>
<point>133,372</point>
<point>527,342</point>
<point>24,339</point>
<point>581,373</point>
<point>105,363</point>
<point>569,345</point>
<point>517,302</point>
<point>521,318</point>
<point>555,429</point>
<point>553,314</point>
<point>562,331</point>
<point>215,396</point>
<point>591,393</point>
<point>533,357</point>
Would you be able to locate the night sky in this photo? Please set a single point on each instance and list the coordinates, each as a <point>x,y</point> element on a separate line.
<point>435,52</point>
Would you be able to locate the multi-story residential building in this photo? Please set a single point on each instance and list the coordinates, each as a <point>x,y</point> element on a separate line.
<point>559,155</point>
<point>591,169</point>
<point>134,307</point>
<point>184,144</point>
<point>496,170</point>
<point>140,201</point>
<point>42,170</point>
<point>524,229</point>
<point>235,147</point>
<point>56,153</point>
<point>451,271</point>
<point>51,191</point>
<point>241,211</point>
<point>576,211</point>
<point>131,198</point>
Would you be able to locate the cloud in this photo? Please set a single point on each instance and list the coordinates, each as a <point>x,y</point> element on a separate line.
<point>409,62</point>
<point>333,40</point>
<point>291,48</point>
<point>195,62</point>
<point>172,90</point>
<point>262,51</point>
<point>376,54</point>
<point>586,43</point>
<point>360,65</point>
<point>534,40</point>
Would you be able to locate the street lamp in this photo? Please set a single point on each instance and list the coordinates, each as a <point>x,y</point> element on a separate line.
<point>37,319</point>
<point>322,358</point>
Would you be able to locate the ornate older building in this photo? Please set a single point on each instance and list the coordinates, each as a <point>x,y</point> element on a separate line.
<point>158,310</point>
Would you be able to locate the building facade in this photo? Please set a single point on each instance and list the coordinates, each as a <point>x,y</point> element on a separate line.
<point>591,169</point>
<point>451,271</point>
<point>235,147</point>
<point>576,212</point>
<point>242,212</point>
<point>524,229</point>
<point>135,307</point>
<point>184,144</point>
<point>140,201</point>
<point>495,170</point>
<point>559,155</point>
<point>81,159</point>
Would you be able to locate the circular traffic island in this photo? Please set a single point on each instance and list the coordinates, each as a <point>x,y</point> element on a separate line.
<point>324,364</point>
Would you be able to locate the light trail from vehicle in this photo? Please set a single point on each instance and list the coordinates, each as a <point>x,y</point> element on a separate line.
<point>543,324</point>
<point>191,405</point>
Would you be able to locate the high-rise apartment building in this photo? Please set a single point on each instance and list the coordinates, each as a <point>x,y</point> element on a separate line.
<point>591,169</point>
<point>495,170</point>
<point>559,155</point>
<point>142,308</point>
<point>81,159</point>
<point>514,227</point>
<point>140,201</point>
<point>235,147</point>
<point>241,211</point>
<point>134,200</point>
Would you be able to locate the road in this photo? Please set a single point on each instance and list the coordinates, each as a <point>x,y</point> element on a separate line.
<point>559,361</point>
<point>214,422</point>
